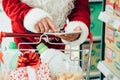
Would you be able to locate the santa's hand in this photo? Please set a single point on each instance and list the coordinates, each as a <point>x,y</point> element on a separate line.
<point>44,25</point>
<point>71,37</point>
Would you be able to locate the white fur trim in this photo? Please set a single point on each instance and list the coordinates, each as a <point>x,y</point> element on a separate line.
<point>32,17</point>
<point>70,28</point>
<point>58,9</point>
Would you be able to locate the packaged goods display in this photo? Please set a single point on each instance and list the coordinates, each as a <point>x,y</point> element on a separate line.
<point>112,55</point>
<point>58,62</point>
<point>111,18</point>
<point>40,63</point>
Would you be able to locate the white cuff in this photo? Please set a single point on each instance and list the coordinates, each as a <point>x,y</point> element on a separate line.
<point>70,28</point>
<point>32,17</point>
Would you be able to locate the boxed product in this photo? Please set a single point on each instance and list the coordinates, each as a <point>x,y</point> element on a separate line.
<point>117,7</point>
<point>109,6</point>
<point>112,48</point>
<point>112,37</point>
<point>112,59</point>
<point>29,73</point>
<point>113,6</point>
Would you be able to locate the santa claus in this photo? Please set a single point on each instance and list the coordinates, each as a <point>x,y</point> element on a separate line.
<point>72,14</point>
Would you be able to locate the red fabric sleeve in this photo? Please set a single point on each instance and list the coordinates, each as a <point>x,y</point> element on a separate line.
<point>81,12</point>
<point>15,9</point>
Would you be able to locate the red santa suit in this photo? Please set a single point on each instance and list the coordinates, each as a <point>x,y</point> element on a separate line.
<point>24,14</point>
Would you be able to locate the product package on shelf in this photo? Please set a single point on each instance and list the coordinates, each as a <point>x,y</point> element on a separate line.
<point>113,7</point>
<point>112,37</point>
<point>109,6</point>
<point>112,59</point>
<point>111,14</point>
<point>112,48</point>
<point>117,7</point>
<point>111,18</point>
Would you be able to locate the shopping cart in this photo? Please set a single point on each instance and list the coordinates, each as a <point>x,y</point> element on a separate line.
<point>45,35</point>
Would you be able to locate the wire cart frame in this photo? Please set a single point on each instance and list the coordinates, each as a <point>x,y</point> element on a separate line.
<point>42,35</point>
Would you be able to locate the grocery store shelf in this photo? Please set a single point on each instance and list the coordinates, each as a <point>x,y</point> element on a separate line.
<point>109,18</point>
<point>106,71</point>
<point>93,74</point>
<point>95,0</point>
<point>96,38</point>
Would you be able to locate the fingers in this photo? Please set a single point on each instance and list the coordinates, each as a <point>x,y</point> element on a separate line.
<point>51,25</point>
<point>38,27</point>
<point>44,25</point>
<point>71,37</point>
<point>66,37</point>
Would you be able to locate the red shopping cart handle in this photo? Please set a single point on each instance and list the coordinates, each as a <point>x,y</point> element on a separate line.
<point>91,37</point>
<point>4,34</point>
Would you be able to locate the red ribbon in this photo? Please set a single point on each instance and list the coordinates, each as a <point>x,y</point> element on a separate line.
<point>29,58</point>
